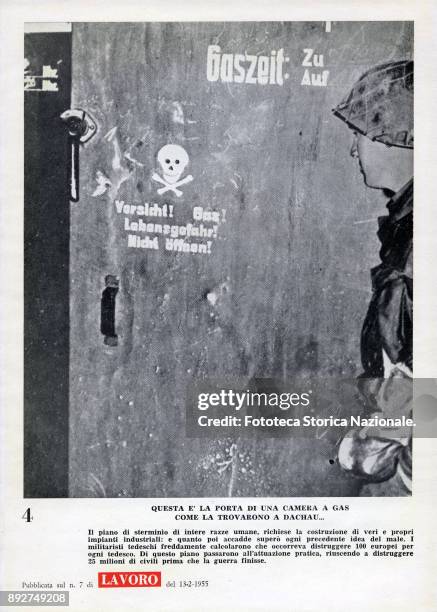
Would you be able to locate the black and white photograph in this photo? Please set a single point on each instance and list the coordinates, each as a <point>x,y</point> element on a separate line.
<point>218,201</point>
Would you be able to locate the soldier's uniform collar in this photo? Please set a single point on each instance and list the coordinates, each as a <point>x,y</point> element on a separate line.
<point>401,203</point>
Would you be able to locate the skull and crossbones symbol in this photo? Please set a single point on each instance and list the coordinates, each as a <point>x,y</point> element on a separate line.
<point>173,160</point>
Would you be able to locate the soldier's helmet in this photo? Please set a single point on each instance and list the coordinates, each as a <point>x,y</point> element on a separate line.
<point>380,104</point>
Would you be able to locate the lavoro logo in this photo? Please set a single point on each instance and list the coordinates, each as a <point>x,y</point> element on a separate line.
<point>129,579</point>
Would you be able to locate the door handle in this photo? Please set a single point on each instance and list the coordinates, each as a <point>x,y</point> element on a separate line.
<point>107,310</point>
<point>81,128</point>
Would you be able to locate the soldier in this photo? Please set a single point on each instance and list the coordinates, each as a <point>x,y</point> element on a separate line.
<point>379,111</point>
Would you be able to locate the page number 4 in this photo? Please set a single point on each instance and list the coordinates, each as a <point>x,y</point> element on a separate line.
<point>27,516</point>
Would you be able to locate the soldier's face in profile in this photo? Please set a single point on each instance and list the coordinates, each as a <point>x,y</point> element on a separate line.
<point>382,166</point>
<point>372,160</point>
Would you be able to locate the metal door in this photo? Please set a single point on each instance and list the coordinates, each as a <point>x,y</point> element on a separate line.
<point>282,287</point>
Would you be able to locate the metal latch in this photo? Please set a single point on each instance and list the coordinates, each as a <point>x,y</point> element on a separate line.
<point>81,128</point>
